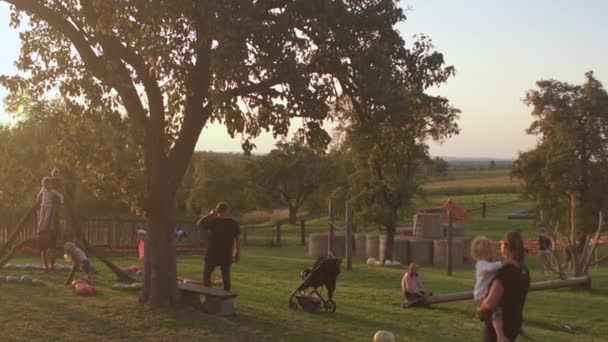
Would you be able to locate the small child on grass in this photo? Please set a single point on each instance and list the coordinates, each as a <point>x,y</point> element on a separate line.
<point>79,259</point>
<point>484,253</point>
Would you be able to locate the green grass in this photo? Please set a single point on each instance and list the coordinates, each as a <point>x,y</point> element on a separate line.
<point>368,299</point>
<point>473,182</point>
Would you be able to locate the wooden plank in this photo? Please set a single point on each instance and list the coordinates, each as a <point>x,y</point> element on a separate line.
<point>349,236</point>
<point>450,223</point>
<point>205,290</point>
<point>584,282</point>
<point>330,218</point>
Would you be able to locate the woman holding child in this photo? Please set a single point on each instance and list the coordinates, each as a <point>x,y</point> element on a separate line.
<point>507,291</point>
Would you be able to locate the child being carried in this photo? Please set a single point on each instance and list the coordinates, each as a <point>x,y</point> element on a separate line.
<point>484,253</point>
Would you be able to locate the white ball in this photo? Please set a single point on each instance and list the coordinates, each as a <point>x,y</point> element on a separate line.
<point>371,261</point>
<point>384,336</point>
<point>387,262</point>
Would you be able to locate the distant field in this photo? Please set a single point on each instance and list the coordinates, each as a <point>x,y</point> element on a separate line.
<point>474,182</point>
<point>462,182</point>
<point>472,174</point>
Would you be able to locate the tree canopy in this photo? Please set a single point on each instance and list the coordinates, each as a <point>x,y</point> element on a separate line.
<point>292,170</point>
<point>571,157</point>
<point>171,67</point>
<point>388,142</point>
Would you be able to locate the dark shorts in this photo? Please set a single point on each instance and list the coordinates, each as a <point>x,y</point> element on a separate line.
<point>86,267</point>
<point>47,239</point>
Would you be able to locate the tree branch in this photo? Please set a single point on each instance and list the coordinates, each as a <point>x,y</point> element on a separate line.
<point>197,112</point>
<point>253,88</point>
<point>98,65</point>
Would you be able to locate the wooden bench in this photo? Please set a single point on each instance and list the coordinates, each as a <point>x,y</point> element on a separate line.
<point>217,301</point>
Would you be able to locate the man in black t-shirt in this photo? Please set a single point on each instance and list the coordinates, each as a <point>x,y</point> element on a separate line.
<point>223,247</point>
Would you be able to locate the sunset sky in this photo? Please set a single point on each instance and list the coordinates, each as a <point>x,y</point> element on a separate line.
<point>499,48</point>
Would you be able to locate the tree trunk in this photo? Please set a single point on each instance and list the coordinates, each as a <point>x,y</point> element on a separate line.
<point>390,241</point>
<point>293,211</point>
<point>160,273</point>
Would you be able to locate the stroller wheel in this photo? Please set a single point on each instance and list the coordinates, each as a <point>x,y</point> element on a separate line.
<point>330,306</point>
<point>293,305</point>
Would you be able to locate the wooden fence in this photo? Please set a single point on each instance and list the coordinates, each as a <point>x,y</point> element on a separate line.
<point>116,232</point>
<point>104,231</point>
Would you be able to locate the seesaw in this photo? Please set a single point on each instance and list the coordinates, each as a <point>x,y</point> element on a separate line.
<point>581,282</point>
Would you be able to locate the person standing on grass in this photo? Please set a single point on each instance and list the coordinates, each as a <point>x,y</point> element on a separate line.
<point>223,246</point>
<point>46,228</point>
<point>544,250</point>
<point>508,290</point>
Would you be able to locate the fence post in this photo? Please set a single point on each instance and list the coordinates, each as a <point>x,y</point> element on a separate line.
<point>279,233</point>
<point>302,232</point>
<point>450,221</point>
<point>349,237</point>
<point>330,237</point>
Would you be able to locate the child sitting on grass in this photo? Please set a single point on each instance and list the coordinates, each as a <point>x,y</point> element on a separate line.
<point>79,259</point>
<point>484,253</point>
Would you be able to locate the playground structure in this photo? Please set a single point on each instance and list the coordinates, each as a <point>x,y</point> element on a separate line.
<point>22,235</point>
<point>437,237</point>
<point>576,282</point>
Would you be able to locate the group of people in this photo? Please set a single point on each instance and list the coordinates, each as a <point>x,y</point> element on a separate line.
<point>223,235</point>
<point>49,202</point>
<point>500,291</point>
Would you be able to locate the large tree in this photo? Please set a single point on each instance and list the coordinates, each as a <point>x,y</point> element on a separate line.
<point>294,171</point>
<point>219,177</point>
<point>571,157</point>
<point>173,66</point>
<point>388,142</point>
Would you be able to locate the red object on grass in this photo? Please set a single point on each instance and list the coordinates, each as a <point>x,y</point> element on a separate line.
<point>76,282</point>
<point>86,290</point>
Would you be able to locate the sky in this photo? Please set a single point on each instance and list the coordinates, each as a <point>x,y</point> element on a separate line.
<point>499,49</point>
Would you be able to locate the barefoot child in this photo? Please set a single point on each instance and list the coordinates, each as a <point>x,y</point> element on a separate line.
<point>80,260</point>
<point>484,253</point>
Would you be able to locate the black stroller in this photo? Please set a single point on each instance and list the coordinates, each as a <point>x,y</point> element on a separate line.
<point>322,273</point>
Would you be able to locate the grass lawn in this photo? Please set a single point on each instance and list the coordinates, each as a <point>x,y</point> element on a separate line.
<point>368,299</point>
